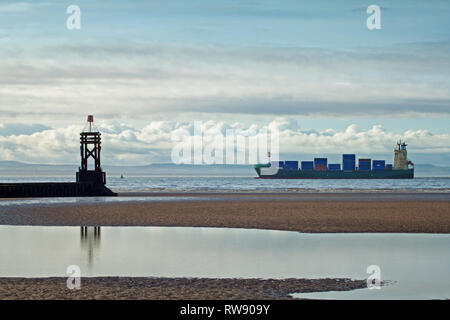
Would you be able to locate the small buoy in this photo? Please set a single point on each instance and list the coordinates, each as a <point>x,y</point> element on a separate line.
<point>121,176</point>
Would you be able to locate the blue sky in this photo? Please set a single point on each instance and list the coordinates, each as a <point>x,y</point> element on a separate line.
<point>332,24</point>
<point>246,62</point>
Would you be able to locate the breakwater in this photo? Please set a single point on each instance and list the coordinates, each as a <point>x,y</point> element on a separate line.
<point>54,189</point>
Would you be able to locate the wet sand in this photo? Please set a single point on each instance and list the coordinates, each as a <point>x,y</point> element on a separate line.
<point>105,288</point>
<point>315,212</point>
<point>346,195</point>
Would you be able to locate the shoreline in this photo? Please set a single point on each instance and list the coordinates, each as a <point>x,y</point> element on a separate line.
<point>310,213</point>
<point>153,288</point>
<point>359,195</point>
<point>355,195</point>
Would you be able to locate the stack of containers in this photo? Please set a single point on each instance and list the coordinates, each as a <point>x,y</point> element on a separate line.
<point>291,165</point>
<point>307,165</point>
<point>277,164</point>
<point>334,166</point>
<point>348,162</point>
<point>388,167</point>
<point>320,164</point>
<point>378,165</point>
<point>364,164</point>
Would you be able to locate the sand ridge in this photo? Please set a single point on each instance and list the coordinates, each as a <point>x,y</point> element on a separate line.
<point>277,213</point>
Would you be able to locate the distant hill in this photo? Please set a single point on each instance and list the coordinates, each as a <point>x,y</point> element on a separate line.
<point>15,168</point>
<point>429,170</point>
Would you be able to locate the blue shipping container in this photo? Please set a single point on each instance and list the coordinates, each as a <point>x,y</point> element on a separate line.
<point>348,157</point>
<point>307,165</point>
<point>364,164</point>
<point>378,165</point>
<point>291,165</point>
<point>348,162</point>
<point>321,161</point>
<point>349,165</point>
<point>334,166</point>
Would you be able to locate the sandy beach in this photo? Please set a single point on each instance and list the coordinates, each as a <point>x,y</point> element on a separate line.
<point>105,288</point>
<point>315,212</point>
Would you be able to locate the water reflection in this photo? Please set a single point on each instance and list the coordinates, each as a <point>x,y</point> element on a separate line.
<point>90,242</point>
<point>419,263</point>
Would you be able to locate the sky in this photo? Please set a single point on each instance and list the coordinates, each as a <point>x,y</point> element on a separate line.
<point>311,69</point>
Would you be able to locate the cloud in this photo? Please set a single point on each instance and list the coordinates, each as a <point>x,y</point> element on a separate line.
<point>124,144</point>
<point>143,79</point>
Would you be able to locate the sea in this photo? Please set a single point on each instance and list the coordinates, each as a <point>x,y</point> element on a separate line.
<point>199,183</point>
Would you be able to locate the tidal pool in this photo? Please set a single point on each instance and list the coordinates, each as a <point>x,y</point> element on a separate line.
<point>416,265</point>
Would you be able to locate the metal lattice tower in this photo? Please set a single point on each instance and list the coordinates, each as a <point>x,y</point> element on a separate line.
<point>87,139</point>
<point>90,147</point>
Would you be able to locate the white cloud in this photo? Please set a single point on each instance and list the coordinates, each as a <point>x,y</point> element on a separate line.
<point>127,145</point>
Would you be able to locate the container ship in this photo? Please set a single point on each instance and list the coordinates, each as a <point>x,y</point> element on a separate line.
<point>321,169</point>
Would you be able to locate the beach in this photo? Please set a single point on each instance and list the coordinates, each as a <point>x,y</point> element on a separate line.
<point>105,288</point>
<point>306,212</point>
<point>311,212</point>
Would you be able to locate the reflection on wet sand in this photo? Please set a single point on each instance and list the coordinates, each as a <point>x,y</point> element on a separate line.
<point>90,242</point>
<point>418,263</point>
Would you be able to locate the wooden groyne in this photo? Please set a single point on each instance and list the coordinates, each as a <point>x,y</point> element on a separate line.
<point>53,189</point>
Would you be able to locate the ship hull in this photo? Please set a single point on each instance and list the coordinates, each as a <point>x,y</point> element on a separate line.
<point>337,174</point>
